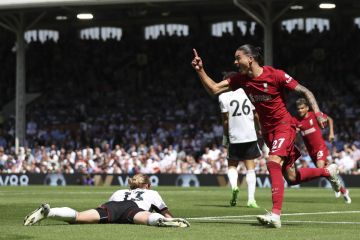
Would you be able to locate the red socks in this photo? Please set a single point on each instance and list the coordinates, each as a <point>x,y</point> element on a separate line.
<point>343,190</point>
<point>277,181</point>
<point>277,186</point>
<point>307,174</point>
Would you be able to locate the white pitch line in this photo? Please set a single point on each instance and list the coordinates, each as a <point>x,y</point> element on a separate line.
<point>288,221</point>
<point>286,214</point>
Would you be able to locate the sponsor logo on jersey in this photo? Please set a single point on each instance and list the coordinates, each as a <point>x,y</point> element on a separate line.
<point>260,98</point>
<point>308,131</point>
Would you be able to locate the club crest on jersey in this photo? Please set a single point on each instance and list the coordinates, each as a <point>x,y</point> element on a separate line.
<point>288,78</point>
<point>311,122</point>
<point>265,87</point>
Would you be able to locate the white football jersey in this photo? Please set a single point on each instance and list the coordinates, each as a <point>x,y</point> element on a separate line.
<point>241,116</point>
<point>145,199</point>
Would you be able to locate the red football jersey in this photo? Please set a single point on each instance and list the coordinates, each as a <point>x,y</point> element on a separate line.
<point>311,132</point>
<point>267,93</point>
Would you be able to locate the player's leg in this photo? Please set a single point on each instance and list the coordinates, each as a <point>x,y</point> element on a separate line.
<point>158,220</point>
<point>44,211</point>
<point>37,215</point>
<point>277,192</point>
<point>295,176</point>
<point>233,180</point>
<point>280,142</point>
<point>88,216</point>
<point>251,183</point>
<point>321,162</point>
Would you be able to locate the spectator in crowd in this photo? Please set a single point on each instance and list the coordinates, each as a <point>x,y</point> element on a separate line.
<point>83,103</point>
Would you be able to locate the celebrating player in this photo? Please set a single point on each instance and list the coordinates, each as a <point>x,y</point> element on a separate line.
<point>314,142</point>
<point>133,206</point>
<point>240,139</point>
<point>265,86</point>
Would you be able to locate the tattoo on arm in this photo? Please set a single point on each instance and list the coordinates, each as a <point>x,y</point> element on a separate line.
<point>309,97</point>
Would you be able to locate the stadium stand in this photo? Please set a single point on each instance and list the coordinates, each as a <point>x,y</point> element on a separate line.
<point>111,107</point>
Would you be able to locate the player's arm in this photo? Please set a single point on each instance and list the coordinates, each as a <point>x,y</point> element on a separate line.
<point>225,122</point>
<point>331,129</point>
<point>257,123</point>
<point>159,205</point>
<point>166,213</point>
<point>212,87</point>
<point>313,104</point>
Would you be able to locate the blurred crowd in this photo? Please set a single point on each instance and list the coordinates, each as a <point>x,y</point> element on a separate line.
<point>111,107</point>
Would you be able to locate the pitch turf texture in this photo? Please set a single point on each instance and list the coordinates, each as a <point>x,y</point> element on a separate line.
<point>309,213</point>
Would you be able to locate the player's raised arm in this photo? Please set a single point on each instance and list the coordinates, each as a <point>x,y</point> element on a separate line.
<point>313,104</point>
<point>210,85</point>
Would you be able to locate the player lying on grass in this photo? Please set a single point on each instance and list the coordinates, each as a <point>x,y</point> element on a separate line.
<point>133,206</point>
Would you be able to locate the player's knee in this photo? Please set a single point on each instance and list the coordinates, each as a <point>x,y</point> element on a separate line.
<point>291,179</point>
<point>320,164</point>
<point>153,219</point>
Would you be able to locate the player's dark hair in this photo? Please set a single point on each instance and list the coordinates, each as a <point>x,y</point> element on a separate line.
<point>138,181</point>
<point>255,52</point>
<point>302,101</point>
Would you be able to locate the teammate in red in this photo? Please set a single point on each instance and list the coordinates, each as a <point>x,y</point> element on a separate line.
<point>314,142</point>
<point>265,87</point>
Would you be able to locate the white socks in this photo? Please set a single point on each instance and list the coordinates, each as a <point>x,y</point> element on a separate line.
<point>233,177</point>
<point>154,218</point>
<point>64,214</point>
<point>251,184</point>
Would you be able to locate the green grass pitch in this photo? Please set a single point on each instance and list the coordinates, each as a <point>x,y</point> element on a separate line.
<point>330,218</point>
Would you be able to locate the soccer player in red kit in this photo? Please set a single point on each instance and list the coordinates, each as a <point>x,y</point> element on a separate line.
<point>311,133</point>
<point>265,86</point>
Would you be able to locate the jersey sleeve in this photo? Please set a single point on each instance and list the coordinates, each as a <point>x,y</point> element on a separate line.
<point>222,104</point>
<point>117,196</point>
<point>158,203</point>
<point>285,80</point>
<point>235,81</point>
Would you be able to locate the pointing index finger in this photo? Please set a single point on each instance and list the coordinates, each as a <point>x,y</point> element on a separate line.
<point>195,52</point>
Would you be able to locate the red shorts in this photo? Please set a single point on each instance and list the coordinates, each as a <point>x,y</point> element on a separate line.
<point>319,154</point>
<point>281,143</point>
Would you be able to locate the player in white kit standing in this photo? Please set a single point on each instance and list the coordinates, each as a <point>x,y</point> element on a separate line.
<point>241,140</point>
<point>128,206</point>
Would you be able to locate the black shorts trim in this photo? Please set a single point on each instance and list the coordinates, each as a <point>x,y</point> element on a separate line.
<point>244,151</point>
<point>118,212</point>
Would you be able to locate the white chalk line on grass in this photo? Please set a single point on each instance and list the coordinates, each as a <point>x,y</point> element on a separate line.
<point>286,214</point>
<point>51,192</point>
<point>287,221</point>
